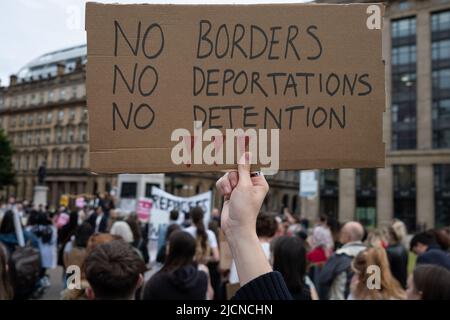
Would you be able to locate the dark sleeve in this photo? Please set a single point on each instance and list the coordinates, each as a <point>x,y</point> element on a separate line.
<point>269,286</point>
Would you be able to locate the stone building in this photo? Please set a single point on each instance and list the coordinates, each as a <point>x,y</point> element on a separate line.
<point>415,184</point>
<point>43,111</point>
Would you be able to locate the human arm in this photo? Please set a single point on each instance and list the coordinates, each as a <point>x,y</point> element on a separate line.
<point>243,197</point>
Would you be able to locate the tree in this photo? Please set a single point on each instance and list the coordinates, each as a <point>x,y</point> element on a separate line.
<point>6,167</point>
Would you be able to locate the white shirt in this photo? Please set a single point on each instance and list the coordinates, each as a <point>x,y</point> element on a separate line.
<point>212,241</point>
<point>233,277</point>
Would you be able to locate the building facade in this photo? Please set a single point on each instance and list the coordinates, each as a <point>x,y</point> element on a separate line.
<point>415,184</point>
<point>44,113</point>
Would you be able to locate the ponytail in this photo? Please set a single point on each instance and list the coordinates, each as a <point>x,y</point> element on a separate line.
<point>197,219</point>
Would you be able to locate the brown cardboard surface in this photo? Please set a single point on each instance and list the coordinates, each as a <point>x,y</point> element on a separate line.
<point>348,57</point>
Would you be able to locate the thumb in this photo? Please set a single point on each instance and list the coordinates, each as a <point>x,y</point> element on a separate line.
<point>244,169</point>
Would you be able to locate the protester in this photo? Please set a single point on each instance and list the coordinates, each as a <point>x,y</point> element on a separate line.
<point>181,277</point>
<point>114,271</point>
<point>75,250</point>
<point>334,279</point>
<point>397,253</point>
<point>322,236</point>
<point>206,248</point>
<point>8,233</point>
<point>383,287</point>
<point>139,242</point>
<point>46,234</point>
<point>123,230</point>
<point>6,288</point>
<point>429,282</point>
<point>425,246</point>
<point>289,258</point>
<point>99,220</point>
<point>162,252</point>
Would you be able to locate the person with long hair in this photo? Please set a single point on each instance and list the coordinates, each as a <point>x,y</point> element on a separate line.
<point>207,248</point>
<point>429,282</point>
<point>385,286</point>
<point>181,277</point>
<point>397,252</point>
<point>289,258</point>
<point>162,252</point>
<point>6,288</point>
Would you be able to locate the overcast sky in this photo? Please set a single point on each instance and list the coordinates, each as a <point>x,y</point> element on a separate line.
<point>31,28</point>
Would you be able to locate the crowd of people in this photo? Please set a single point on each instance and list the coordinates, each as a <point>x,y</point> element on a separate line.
<point>241,254</point>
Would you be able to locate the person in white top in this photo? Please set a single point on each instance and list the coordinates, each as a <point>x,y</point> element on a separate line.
<point>266,227</point>
<point>207,249</point>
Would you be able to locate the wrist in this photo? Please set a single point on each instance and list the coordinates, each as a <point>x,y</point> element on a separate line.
<point>241,235</point>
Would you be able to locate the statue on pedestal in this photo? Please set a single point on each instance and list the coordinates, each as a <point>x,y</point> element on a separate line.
<point>42,172</point>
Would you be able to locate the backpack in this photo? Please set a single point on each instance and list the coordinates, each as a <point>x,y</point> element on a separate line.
<point>25,264</point>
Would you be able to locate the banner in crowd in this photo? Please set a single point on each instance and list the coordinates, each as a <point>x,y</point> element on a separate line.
<point>307,80</point>
<point>164,202</point>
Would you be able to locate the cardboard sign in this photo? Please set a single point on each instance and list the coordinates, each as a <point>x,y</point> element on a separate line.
<point>311,74</point>
<point>143,209</point>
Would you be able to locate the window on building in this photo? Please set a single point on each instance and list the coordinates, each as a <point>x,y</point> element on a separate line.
<point>85,114</point>
<point>49,116</point>
<point>68,163</point>
<point>329,192</point>
<point>83,133</point>
<point>29,135</point>
<point>405,195</point>
<point>39,117</point>
<point>128,190</point>
<point>56,160</point>
<point>440,52</point>
<point>30,119</point>
<point>62,94</point>
<point>74,92</point>
<point>60,115</point>
<point>58,135</point>
<point>72,114</point>
<point>26,166</point>
<point>50,95</point>
<point>47,136</point>
<point>70,133</point>
<point>81,160</point>
<point>37,138</point>
<point>366,197</point>
<point>403,109</point>
<point>12,121</point>
<point>21,120</point>
<point>442,195</point>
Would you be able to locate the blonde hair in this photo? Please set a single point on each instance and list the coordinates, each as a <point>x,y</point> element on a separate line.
<point>390,288</point>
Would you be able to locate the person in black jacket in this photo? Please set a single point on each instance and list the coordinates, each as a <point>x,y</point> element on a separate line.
<point>99,220</point>
<point>243,196</point>
<point>424,244</point>
<point>180,278</point>
<point>397,253</point>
